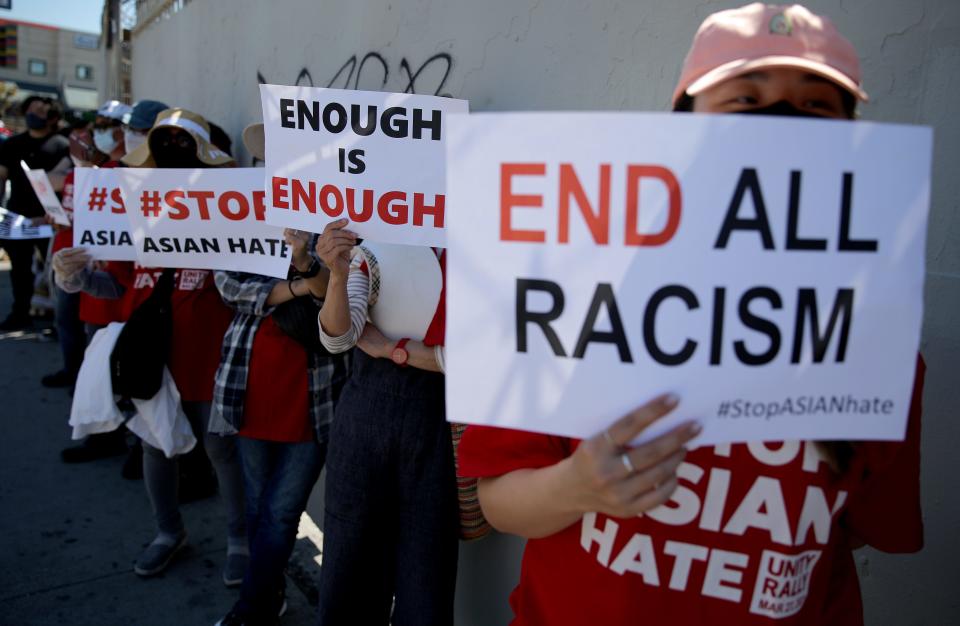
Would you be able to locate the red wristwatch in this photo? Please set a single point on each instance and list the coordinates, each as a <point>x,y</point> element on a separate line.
<point>400,356</point>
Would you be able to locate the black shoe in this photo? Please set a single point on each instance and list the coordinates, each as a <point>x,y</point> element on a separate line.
<point>58,380</point>
<point>95,447</point>
<point>16,322</point>
<point>133,464</point>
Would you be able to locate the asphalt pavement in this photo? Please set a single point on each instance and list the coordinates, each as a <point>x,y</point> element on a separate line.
<point>69,533</point>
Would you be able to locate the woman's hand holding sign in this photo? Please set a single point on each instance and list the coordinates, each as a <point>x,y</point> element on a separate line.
<point>605,475</point>
<point>609,476</point>
<point>69,261</point>
<point>334,246</point>
<point>298,240</point>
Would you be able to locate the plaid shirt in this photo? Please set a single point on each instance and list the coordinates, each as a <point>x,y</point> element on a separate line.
<point>247,295</point>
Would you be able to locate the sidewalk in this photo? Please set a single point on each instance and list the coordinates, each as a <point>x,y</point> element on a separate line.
<point>69,533</point>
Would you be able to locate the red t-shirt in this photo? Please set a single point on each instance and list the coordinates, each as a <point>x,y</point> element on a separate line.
<point>200,318</point>
<point>754,534</point>
<point>64,236</point>
<point>101,311</point>
<point>276,407</point>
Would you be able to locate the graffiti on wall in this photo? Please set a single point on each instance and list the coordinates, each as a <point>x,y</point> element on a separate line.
<point>373,72</point>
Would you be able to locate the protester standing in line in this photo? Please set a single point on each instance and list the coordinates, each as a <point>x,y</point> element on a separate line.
<point>600,514</point>
<point>179,138</point>
<point>277,390</point>
<point>40,147</point>
<point>135,124</point>
<point>391,521</point>
<point>70,329</point>
<point>114,124</point>
<point>70,332</point>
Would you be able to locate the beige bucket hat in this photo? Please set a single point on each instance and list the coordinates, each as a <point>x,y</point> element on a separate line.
<point>190,122</point>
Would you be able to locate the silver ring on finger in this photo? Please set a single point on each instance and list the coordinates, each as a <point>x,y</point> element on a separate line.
<point>627,463</point>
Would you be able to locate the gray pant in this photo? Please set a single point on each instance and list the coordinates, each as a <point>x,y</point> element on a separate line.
<point>391,519</point>
<point>161,476</point>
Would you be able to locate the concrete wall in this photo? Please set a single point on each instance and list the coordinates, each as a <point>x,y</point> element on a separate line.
<point>601,54</point>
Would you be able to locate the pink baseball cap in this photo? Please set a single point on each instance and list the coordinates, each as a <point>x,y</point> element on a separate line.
<point>760,36</point>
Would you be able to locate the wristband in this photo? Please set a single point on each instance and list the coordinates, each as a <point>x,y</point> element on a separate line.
<point>311,271</point>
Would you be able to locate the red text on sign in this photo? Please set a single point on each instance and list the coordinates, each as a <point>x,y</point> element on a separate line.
<point>97,200</point>
<point>596,218</point>
<point>360,205</point>
<point>181,205</point>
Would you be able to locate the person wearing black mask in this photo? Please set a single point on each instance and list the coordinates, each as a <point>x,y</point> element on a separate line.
<point>178,139</point>
<point>174,147</point>
<point>41,148</point>
<point>181,138</point>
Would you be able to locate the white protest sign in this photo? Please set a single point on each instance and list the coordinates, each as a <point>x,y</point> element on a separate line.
<point>45,194</point>
<point>374,158</point>
<point>100,222</point>
<point>769,271</point>
<point>15,226</point>
<point>202,219</point>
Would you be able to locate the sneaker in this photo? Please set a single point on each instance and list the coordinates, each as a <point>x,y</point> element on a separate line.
<point>158,555</point>
<point>58,380</point>
<point>16,322</point>
<point>235,567</point>
<point>95,447</point>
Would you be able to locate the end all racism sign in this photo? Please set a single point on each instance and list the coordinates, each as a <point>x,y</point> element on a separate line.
<point>100,222</point>
<point>202,219</point>
<point>374,158</point>
<point>769,271</point>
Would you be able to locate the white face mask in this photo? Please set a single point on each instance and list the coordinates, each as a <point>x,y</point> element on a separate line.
<point>133,140</point>
<point>104,141</point>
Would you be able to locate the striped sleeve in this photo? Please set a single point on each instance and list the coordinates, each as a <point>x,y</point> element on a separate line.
<point>358,286</point>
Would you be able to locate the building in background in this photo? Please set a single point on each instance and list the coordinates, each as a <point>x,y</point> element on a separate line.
<point>49,61</point>
<point>115,25</point>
